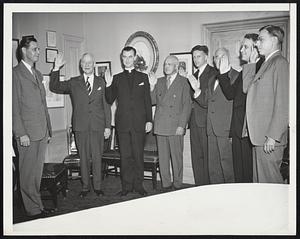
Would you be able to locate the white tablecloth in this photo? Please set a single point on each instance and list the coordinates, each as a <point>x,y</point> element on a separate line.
<point>225,209</point>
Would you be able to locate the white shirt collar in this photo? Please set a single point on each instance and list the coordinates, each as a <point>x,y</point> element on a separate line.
<point>27,66</point>
<point>268,57</point>
<point>172,77</point>
<point>201,69</point>
<point>129,69</point>
<point>91,79</point>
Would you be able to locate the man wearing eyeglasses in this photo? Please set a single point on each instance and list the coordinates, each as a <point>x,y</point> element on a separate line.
<point>267,105</point>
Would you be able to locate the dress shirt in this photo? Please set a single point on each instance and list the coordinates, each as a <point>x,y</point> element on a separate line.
<point>268,57</point>
<point>172,78</point>
<point>91,79</point>
<point>27,66</point>
<point>201,69</point>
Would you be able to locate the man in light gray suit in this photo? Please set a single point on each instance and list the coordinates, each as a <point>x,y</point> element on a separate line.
<point>267,106</point>
<point>31,125</point>
<point>171,95</point>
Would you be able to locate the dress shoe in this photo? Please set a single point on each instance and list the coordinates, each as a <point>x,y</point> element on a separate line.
<point>44,213</point>
<point>176,188</point>
<point>99,193</point>
<point>123,193</point>
<point>142,192</point>
<point>83,194</point>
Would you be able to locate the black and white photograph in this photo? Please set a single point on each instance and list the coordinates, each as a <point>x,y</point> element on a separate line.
<point>148,119</point>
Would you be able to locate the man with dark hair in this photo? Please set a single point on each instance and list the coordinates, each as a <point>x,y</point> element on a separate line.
<point>198,117</point>
<point>219,113</point>
<point>31,125</point>
<point>91,119</point>
<point>241,146</point>
<point>267,105</point>
<point>133,118</point>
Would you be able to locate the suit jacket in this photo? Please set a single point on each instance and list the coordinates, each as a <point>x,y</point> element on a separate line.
<point>199,112</point>
<point>219,108</point>
<point>29,112</point>
<point>234,91</point>
<point>267,104</point>
<point>132,92</point>
<point>89,111</point>
<point>173,105</point>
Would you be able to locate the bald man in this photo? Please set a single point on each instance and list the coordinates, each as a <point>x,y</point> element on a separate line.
<point>171,95</point>
<point>91,117</point>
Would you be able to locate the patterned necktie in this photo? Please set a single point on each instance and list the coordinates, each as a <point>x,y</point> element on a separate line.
<point>168,81</point>
<point>88,86</point>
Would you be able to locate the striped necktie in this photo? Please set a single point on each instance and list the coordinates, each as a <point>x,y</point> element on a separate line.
<point>88,86</point>
<point>35,75</point>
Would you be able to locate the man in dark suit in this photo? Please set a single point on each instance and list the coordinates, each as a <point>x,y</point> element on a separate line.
<point>31,125</point>
<point>198,118</point>
<point>218,124</point>
<point>171,95</point>
<point>91,119</point>
<point>267,105</point>
<point>133,118</point>
<point>241,146</point>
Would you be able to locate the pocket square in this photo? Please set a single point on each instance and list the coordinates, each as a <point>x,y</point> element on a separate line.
<point>141,83</point>
<point>99,88</point>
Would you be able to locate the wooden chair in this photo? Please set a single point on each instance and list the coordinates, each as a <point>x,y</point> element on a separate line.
<point>111,158</point>
<point>111,161</point>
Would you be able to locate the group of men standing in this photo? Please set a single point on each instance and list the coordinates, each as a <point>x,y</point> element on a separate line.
<point>227,111</point>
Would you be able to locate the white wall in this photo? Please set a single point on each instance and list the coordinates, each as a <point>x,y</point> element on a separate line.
<point>105,34</point>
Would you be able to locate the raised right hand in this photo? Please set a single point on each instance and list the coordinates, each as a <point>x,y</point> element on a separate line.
<point>253,55</point>
<point>152,78</point>
<point>24,140</point>
<point>59,61</point>
<point>194,82</point>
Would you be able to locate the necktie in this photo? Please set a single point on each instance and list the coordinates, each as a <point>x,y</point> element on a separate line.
<point>35,75</point>
<point>168,81</point>
<point>88,86</point>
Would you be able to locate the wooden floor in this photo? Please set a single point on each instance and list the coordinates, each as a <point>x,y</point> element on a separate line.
<point>57,150</point>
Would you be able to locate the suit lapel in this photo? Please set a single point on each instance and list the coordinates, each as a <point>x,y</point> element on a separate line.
<point>81,83</point>
<point>264,66</point>
<point>172,87</point>
<point>96,85</point>
<point>27,73</point>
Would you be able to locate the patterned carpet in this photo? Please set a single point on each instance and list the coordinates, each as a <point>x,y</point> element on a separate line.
<point>73,203</point>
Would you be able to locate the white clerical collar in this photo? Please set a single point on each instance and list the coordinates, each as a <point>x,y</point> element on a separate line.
<point>27,66</point>
<point>201,69</point>
<point>268,57</point>
<point>129,69</point>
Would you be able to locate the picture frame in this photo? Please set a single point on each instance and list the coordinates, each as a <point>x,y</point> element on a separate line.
<point>53,100</point>
<point>15,44</point>
<point>51,38</point>
<point>51,55</point>
<point>147,51</point>
<point>185,63</point>
<point>103,69</point>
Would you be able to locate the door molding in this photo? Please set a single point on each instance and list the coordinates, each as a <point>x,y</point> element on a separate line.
<point>211,30</point>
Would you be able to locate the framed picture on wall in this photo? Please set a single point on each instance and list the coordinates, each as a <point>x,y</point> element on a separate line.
<point>51,38</point>
<point>146,49</point>
<point>53,100</point>
<point>103,69</point>
<point>185,63</point>
<point>15,44</point>
<point>51,54</point>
